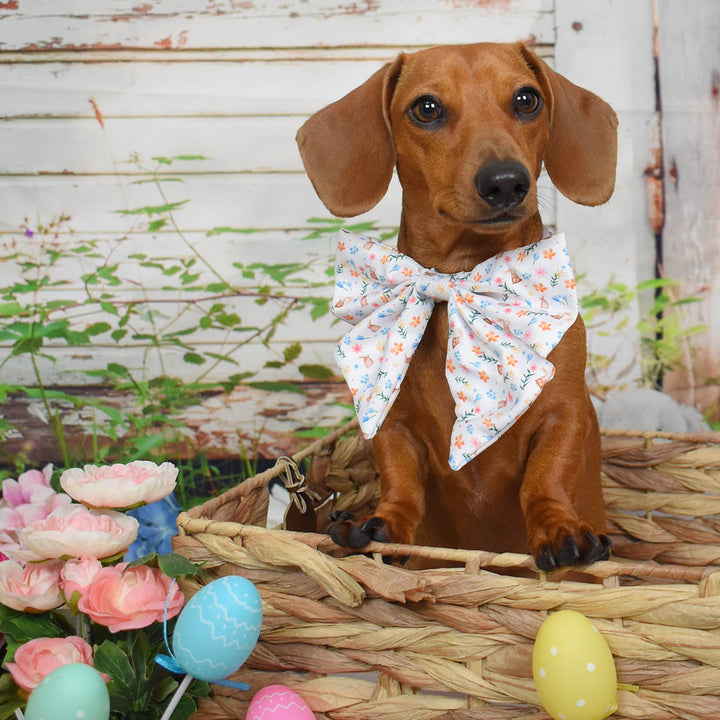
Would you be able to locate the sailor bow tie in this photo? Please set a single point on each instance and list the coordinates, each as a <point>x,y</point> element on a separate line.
<point>504,318</point>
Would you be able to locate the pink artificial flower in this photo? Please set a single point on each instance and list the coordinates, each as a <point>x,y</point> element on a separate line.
<point>31,487</point>
<point>120,486</point>
<point>77,575</point>
<point>33,587</point>
<point>76,531</point>
<point>124,598</point>
<point>37,658</point>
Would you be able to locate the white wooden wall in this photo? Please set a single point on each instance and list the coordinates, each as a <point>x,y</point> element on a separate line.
<point>86,84</point>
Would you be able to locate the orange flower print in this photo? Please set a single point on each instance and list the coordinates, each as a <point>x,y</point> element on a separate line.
<point>540,287</point>
<point>341,246</point>
<point>482,375</point>
<point>407,272</point>
<point>415,321</point>
<point>522,255</point>
<point>476,349</point>
<point>450,366</point>
<point>459,442</point>
<point>461,396</point>
<point>549,254</point>
<point>492,337</point>
<point>545,326</point>
<point>397,348</point>
<point>487,422</point>
<point>570,284</point>
<point>512,360</point>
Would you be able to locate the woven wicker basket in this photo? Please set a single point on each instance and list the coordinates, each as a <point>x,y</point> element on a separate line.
<point>362,639</point>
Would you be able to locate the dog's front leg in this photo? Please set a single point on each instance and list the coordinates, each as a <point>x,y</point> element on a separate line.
<point>402,497</point>
<point>561,496</point>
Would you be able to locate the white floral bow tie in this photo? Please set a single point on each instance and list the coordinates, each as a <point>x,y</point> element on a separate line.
<point>504,317</point>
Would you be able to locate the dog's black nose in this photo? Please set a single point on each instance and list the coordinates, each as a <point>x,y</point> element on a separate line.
<point>502,185</point>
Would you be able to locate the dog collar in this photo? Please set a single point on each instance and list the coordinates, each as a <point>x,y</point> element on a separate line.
<point>504,318</point>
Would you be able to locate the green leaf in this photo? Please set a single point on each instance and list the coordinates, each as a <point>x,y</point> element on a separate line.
<point>151,210</point>
<point>270,386</point>
<point>655,283</point>
<point>98,328</point>
<point>316,372</point>
<point>227,229</point>
<point>292,352</point>
<point>175,565</point>
<point>157,224</point>
<point>9,309</point>
<point>110,659</point>
<point>193,358</point>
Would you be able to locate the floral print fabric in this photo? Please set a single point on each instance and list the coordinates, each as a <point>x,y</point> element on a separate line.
<point>504,318</point>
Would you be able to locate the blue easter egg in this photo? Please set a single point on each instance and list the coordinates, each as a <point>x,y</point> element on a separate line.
<point>218,628</point>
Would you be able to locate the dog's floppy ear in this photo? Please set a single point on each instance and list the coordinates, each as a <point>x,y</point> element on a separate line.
<point>347,147</point>
<point>581,151</point>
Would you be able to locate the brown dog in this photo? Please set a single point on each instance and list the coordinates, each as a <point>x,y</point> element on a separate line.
<point>468,128</point>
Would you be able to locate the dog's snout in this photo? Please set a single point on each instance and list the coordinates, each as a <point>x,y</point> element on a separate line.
<point>502,185</point>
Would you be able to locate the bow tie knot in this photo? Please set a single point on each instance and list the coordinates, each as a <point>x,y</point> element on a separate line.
<point>504,318</point>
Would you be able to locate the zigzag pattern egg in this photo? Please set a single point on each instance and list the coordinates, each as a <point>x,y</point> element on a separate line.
<point>218,628</point>
<point>277,702</point>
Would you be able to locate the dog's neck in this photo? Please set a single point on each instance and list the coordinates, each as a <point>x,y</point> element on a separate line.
<point>449,247</point>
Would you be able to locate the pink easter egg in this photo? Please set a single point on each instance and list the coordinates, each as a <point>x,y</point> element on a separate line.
<point>277,702</point>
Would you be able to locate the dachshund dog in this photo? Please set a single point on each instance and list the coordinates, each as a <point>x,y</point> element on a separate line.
<point>468,128</point>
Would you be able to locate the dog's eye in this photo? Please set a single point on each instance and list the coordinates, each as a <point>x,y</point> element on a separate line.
<point>427,109</point>
<point>527,103</point>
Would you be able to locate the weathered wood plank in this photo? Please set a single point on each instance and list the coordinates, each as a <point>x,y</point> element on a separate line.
<point>247,423</point>
<point>607,48</point>
<point>690,94</point>
<point>230,144</point>
<point>256,200</point>
<point>208,24</point>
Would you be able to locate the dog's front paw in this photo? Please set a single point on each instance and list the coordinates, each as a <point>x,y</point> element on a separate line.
<point>570,549</point>
<point>347,531</point>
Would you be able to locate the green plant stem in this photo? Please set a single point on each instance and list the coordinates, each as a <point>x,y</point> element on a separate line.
<point>53,419</point>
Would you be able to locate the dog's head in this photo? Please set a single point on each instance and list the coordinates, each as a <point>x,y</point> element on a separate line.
<point>468,128</point>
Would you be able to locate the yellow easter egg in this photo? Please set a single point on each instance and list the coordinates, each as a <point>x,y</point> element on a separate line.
<point>573,668</point>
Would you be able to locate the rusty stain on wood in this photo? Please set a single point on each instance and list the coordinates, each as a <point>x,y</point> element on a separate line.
<point>654,181</point>
<point>98,114</point>
<point>10,5</point>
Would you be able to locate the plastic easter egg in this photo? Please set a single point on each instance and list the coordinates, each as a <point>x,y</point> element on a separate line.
<point>70,692</point>
<point>277,702</point>
<point>573,668</point>
<point>218,628</point>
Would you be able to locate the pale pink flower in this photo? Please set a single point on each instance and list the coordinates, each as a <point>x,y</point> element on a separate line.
<point>77,575</point>
<point>76,531</point>
<point>33,587</point>
<point>123,598</point>
<point>38,658</point>
<point>32,486</point>
<point>120,486</point>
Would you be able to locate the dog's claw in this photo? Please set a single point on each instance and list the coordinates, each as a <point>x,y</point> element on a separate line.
<point>598,548</point>
<point>570,553</point>
<point>345,531</point>
<point>546,561</point>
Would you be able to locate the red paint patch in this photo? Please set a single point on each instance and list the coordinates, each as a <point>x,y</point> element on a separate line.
<point>498,4</point>
<point>165,43</point>
<point>98,114</point>
<point>10,5</point>
<point>143,9</point>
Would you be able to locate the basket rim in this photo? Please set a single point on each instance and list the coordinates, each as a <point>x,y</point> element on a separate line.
<point>199,520</point>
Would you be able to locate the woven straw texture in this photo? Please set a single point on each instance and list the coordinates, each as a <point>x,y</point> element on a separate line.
<point>362,639</point>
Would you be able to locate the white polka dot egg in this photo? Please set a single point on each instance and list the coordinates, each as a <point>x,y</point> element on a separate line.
<point>277,702</point>
<point>71,692</point>
<point>573,668</point>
